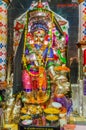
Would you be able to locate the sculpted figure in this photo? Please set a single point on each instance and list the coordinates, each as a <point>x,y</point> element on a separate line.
<point>42,56</point>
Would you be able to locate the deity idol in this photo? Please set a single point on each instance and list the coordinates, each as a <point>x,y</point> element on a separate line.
<point>43,59</point>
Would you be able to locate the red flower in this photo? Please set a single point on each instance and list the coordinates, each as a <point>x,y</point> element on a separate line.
<point>47,37</point>
<point>29,35</point>
<point>1,67</point>
<point>1,31</point>
<point>1,9</point>
<point>84,24</point>
<point>1,53</point>
<point>19,26</point>
<point>40,5</point>
<point>1,24</point>
<point>84,38</point>
<point>84,10</point>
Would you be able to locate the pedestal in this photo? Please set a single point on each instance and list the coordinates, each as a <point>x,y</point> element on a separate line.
<point>32,127</point>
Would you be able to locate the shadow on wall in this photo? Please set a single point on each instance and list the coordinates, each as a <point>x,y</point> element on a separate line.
<point>73,70</point>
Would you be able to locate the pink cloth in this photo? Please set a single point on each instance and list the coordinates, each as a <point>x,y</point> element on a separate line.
<point>80,127</point>
<point>31,82</point>
<point>74,127</point>
<point>26,79</point>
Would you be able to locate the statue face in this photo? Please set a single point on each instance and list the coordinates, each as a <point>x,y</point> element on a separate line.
<point>39,36</point>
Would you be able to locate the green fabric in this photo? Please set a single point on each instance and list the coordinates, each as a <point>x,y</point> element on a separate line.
<point>0,98</point>
<point>28,67</point>
<point>50,64</point>
<point>63,59</point>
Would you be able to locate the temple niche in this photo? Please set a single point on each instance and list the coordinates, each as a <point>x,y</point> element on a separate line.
<point>40,85</point>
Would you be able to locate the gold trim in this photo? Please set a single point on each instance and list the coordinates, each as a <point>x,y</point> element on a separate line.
<point>81,44</point>
<point>80,1</point>
<point>7,1</point>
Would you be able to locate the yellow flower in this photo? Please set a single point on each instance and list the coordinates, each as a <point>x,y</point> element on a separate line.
<point>1,74</point>
<point>84,17</point>
<point>1,17</point>
<point>1,38</point>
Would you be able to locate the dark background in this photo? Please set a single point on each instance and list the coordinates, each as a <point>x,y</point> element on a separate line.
<point>69,11</point>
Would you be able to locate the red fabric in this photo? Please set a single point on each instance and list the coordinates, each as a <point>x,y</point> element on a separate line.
<point>85,57</point>
<point>56,57</point>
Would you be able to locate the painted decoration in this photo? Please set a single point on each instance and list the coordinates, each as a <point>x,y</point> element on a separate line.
<point>3,40</point>
<point>82,22</point>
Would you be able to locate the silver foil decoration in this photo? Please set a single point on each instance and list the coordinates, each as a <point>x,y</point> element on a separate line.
<point>84,97</point>
<point>75,97</point>
<point>80,97</point>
